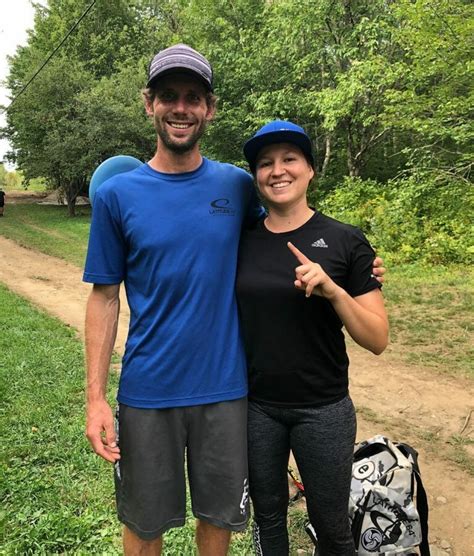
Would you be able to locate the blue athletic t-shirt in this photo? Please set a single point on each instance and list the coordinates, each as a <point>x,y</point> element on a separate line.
<point>173,240</point>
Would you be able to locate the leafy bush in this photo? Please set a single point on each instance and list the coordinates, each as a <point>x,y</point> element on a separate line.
<point>423,217</point>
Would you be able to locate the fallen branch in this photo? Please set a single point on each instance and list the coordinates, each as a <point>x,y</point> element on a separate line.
<point>466,422</point>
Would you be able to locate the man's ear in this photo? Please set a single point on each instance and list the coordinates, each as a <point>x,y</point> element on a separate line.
<point>149,108</point>
<point>211,112</point>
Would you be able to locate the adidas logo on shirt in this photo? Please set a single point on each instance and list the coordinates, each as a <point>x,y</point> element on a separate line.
<point>320,243</point>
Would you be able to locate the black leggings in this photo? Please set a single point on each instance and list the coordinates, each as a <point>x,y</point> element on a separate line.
<point>322,440</point>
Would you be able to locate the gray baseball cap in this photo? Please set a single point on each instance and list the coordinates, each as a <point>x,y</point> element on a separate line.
<point>180,58</point>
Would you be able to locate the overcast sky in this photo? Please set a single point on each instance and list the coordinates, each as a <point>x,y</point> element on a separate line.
<point>16,16</point>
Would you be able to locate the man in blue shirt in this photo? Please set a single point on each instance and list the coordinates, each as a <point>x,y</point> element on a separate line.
<point>170,230</point>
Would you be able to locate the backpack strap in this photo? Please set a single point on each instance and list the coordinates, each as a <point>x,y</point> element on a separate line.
<point>422,505</point>
<point>373,446</point>
<point>421,498</point>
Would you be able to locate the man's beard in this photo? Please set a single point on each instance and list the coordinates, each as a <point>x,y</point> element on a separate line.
<point>181,147</point>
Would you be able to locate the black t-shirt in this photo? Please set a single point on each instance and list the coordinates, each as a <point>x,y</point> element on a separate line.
<point>296,353</point>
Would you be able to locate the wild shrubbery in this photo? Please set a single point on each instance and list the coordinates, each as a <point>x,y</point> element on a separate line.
<point>422,218</point>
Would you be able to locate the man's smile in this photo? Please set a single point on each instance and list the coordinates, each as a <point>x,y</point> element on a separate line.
<point>179,125</point>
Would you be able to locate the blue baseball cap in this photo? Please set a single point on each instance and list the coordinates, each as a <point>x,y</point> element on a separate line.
<point>278,131</point>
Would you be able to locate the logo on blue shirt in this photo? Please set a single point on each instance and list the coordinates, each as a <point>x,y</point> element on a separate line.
<point>221,207</point>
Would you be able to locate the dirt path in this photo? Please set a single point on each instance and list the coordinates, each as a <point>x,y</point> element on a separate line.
<point>405,403</point>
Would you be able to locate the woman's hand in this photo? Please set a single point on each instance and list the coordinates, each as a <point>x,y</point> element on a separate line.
<point>311,278</point>
<point>364,316</point>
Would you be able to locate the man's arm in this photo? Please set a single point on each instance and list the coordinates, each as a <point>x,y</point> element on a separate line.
<point>100,330</point>
<point>379,270</point>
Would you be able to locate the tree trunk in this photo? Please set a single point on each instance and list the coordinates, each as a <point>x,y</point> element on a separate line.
<point>71,191</point>
<point>327,154</point>
<point>354,169</point>
<point>353,164</point>
<point>71,206</point>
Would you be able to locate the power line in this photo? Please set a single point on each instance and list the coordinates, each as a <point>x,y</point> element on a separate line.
<point>51,55</point>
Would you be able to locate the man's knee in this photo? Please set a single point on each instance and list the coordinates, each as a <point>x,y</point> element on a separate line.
<point>209,529</point>
<point>133,545</point>
<point>211,540</point>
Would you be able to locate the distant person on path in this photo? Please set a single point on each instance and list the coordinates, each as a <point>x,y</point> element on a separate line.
<point>302,276</point>
<point>2,202</point>
<point>170,231</point>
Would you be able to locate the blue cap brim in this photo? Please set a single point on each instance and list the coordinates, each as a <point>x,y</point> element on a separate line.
<point>254,145</point>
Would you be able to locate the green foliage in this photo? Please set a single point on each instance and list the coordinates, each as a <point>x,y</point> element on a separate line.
<point>35,184</point>
<point>3,175</point>
<point>86,104</point>
<point>423,218</point>
<point>49,144</point>
<point>112,119</point>
<point>13,180</point>
<point>10,180</point>
<point>435,97</point>
<point>382,87</point>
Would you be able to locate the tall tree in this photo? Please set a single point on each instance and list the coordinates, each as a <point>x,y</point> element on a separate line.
<point>52,123</point>
<point>435,100</point>
<point>42,126</point>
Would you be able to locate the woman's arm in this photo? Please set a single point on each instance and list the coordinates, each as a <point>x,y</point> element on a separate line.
<point>364,316</point>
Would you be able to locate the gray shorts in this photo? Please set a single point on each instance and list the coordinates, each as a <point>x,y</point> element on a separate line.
<point>150,480</point>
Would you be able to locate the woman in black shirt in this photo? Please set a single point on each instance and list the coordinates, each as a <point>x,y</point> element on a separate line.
<point>301,277</point>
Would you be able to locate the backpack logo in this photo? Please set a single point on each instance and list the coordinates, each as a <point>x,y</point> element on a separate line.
<point>363,471</point>
<point>372,539</point>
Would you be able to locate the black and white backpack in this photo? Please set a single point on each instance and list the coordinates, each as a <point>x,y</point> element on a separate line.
<point>388,506</point>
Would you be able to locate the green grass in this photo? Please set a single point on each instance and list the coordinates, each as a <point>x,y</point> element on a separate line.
<point>47,228</point>
<point>430,311</point>
<point>56,496</point>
